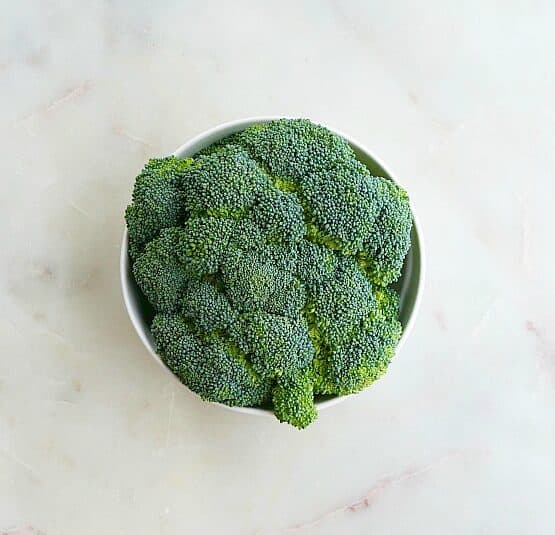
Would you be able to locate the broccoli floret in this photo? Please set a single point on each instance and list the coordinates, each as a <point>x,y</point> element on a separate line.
<point>203,244</point>
<point>280,215</point>
<point>338,306</point>
<point>224,183</point>
<point>267,259</point>
<point>166,328</point>
<point>209,367</point>
<point>247,236</point>
<point>389,241</point>
<point>364,358</point>
<point>315,263</point>
<point>159,273</point>
<point>278,346</point>
<point>343,203</point>
<point>293,399</point>
<point>207,307</point>
<point>252,277</point>
<point>288,301</point>
<point>158,201</point>
<point>294,148</point>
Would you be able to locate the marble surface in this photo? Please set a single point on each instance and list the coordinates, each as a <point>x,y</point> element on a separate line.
<point>457,98</point>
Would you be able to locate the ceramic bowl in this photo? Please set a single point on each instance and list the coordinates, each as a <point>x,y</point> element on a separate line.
<point>410,284</point>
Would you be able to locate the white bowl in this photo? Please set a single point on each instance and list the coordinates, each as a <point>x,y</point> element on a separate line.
<point>410,284</point>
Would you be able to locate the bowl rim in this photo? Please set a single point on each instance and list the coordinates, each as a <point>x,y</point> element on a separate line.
<point>141,327</point>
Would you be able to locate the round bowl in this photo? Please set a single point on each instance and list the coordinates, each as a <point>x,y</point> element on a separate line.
<point>410,284</point>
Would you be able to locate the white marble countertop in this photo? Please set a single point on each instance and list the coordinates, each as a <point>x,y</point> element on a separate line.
<point>458,437</point>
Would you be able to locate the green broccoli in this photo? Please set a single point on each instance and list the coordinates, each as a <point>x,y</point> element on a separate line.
<point>158,201</point>
<point>385,249</point>
<point>293,398</point>
<point>278,346</point>
<point>207,307</point>
<point>159,273</point>
<point>363,357</point>
<point>268,259</point>
<point>210,366</point>
<point>280,216</point>
<point>223,184</point>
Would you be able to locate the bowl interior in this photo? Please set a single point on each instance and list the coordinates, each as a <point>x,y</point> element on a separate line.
<point>408,286</point>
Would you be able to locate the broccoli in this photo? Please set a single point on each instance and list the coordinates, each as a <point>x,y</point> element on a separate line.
<point>278,346</point>
<point>158,201</point>
<point>210,366</point>
<point>268,259</point>
<point>362,357</point>
<point>159,273</point>
<point>223,184</point>
<point>293,398</point>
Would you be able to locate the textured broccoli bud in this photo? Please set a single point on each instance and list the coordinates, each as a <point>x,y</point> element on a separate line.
<point>253,277</point>
<point>389,241</point>
<point>278,346</point>
<point>210,367</point>
<point>339,305</point>
<point>224,183</point>
<point>247,236</point>
<point>207,307</point>
<point>288,301</point>
<point>293,399</point>
<point>217,375</point>
<point>294,147</point>
<point>158,201</point>
<point>315,263</point>
<point>280,215</point>
<point>166,328</point>
<point>158,272</point>
<point>362,359</point>
<point>203,244</point>
<point>344,203</point>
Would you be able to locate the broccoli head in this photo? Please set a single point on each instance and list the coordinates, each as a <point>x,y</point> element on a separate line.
<point>268,259</point>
